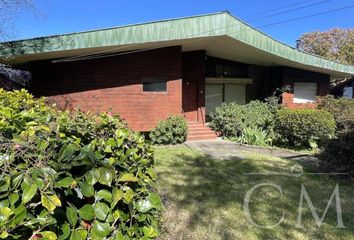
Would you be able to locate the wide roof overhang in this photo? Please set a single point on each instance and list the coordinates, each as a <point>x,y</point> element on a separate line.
<point>220,35</point>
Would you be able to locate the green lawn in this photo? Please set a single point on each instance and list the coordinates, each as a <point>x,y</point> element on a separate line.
<point>204,198</point>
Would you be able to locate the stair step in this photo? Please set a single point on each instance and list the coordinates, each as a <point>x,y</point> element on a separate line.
<point>199,128</point>
<point>201,137</point>
<point>201,133</point>
<point>195,124</point>
<point>198,131</point>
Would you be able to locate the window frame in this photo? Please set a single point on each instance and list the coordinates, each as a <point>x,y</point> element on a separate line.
<point>150,80</point>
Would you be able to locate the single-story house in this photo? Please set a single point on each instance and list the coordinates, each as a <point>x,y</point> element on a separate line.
<point>188,66</point>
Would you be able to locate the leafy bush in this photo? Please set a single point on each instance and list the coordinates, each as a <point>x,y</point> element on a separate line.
<point>342,110</point>
<point>337,156</point>
<point>173,130</point>
<point>301,127</point>
<point>273,103</point>
<point>231,118</point>
<point>72,175</point>
<point>254,136</point>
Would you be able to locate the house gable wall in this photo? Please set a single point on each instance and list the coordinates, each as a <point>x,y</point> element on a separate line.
<point>115,82</point>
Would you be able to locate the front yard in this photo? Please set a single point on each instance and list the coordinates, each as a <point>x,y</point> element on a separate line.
<point>204,198</point>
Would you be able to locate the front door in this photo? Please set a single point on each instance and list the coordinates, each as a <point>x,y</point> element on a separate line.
<point>190,100</point>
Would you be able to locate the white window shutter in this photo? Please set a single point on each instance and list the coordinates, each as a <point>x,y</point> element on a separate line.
<point>305,92</point>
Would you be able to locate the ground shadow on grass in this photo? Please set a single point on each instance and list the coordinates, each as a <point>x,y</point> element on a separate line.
<point>205,198</point>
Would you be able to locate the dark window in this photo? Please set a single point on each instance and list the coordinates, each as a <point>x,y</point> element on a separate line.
<point>154,85</point>
<point>223,68</point>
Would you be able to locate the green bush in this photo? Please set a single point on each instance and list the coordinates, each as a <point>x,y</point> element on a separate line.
<point>342,110</point>
<point>337,156</point>
<point>254,136</point>
<point>304,127</point>
<point>72,175</point>
<point>273,103</point>
<point>173,130</point>
<point>231,118</point>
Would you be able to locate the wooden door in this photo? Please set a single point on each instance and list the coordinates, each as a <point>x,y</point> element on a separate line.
<point>190,100</point>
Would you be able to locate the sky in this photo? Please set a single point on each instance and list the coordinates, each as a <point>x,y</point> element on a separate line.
<point>64,16</point>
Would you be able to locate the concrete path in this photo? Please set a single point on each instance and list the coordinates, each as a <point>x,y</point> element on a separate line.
<point>226,150</point>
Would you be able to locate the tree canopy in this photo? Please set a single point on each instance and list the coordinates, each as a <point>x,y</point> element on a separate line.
<point>8,13</point>
<point>335,44</point>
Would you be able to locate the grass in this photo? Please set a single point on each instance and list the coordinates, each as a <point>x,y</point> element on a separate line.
<point>204,198</point>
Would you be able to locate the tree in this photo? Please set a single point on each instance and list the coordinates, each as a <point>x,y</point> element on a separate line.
<point>335,44</point>
<point>8,12</point>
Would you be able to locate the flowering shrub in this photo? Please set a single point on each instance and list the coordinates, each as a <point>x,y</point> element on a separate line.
<point>72,175</point>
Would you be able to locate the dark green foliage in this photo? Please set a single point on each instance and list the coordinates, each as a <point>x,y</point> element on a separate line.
<point>304,127</point>
<point>231,119</point>
<point>342,110</point>
<point>173,130</point>
<point>337,156</point>
<point>72,175</point>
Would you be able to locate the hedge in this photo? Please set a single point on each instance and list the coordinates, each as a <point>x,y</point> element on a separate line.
<point>304,127</point>
<point>72,175</point>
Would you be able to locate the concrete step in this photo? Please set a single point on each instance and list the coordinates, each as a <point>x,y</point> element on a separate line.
<point>199,128</point>
<point>198,131</point>
<point>201,137</point>
<point>202,134</point>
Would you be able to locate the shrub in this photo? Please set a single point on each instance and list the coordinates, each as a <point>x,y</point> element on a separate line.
<point>254,136</point>
<point>231,118</point>
<point>337,156</point>
<point>301,127</point>
<point>173,130</point>
<point>72,175</point>
<point>342,110</point>
<point>273,103</point>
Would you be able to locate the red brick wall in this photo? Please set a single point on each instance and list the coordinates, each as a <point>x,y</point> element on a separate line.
<point>288,101</point>
<point>116,82</point>
<point>290,76</point>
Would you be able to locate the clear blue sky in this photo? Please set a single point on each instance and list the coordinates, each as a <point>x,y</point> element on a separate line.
<point>64,16</point>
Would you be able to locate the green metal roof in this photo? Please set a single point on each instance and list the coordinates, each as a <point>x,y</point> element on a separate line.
<point>205,26</point>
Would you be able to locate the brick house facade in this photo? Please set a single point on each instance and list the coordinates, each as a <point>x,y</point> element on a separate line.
<point>116,83</point>
<point>146,72</point>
